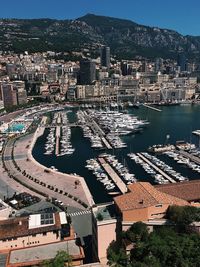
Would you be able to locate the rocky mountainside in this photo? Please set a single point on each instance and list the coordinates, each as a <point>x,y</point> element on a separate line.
<point>127,39</point>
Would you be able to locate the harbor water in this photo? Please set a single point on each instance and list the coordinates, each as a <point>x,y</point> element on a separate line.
<point>176,122</point>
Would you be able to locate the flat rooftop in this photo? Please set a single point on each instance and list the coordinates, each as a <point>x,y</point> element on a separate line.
<point>43,252</point>
<point>104,212</point>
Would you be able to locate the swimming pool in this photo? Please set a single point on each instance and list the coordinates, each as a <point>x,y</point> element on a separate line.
<point>17,127</point>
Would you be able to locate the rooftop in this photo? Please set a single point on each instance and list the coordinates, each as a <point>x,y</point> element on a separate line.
<point>104,212</point>
<point>19,226</point>
<point>144,195</point>
<point>40,253</point>
<point>189,191</point>
<point>41,220</point>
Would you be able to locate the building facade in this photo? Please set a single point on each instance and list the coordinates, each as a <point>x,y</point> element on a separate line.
<point>87,72</point>
<point>105,57</point>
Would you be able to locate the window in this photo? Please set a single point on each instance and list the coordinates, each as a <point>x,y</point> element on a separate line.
<point>33,234</point>
<point>44,233</point>
<point>47,218</point>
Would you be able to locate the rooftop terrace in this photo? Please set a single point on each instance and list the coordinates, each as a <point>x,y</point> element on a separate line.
<point>104,212</point>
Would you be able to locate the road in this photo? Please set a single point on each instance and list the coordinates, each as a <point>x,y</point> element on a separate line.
<point>57,187</point>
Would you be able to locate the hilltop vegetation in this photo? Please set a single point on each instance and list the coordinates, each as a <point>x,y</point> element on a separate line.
<point>127,39</point>
<point>177,245</point>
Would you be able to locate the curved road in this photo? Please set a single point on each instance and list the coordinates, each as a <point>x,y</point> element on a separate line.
<point>41,187</point>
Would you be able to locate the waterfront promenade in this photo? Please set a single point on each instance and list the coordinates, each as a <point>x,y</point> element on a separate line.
<point>9,186</point>
<point>71,190</point>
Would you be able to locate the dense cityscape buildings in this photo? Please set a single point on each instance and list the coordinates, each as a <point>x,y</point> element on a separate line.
<point>92,163</point>
<point>144,81</point>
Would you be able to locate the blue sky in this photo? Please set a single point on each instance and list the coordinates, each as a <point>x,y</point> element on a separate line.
<point>180,15</point>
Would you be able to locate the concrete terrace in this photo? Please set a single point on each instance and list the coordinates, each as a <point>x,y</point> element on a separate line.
<point>52,183</point>
<point>36,254</point>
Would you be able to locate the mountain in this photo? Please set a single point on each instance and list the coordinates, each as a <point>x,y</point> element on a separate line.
<point>127,39</point>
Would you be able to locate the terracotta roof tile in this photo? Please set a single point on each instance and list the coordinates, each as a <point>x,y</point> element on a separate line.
<point>144,195</point>
<point>17,227</point>
<point>189,191</point>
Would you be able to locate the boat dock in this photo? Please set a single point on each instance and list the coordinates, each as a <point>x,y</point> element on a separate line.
<point>153,108</point>
<point>43,121</point>
<point>113,175</point>
<point>93,125</point>
<point>189,156</point>
<point>55,125</point>
<point>59,119</point>
<point>97,130</point>
<point>57,140</point>
<point>156,168</point>
<point>108,146</point>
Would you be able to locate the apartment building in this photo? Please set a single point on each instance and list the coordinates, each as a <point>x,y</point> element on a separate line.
<point>36,229</point>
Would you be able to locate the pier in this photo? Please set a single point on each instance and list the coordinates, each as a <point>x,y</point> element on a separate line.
<point>93,125</point>
<point>156,168</point>
<point>97,127</point>
<point>75,124</point>
<point>189,156</point>
<point>43,121</point>
<point>113,175</point>
<point>108,146</point>
<point>97,130</point>
<point>153,108</point>
<point>57,140</point>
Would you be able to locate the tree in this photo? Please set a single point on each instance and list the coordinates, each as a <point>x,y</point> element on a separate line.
<point>165,246</point>
<point>59,261</point>
<point>182,216</point>
<point>116,255</point>
<point>137,232</point>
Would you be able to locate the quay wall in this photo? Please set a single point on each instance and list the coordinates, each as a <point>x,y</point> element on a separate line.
<point>39,132</point>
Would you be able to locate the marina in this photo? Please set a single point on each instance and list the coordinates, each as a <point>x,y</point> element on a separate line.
<point>113,175</point>
<point>107,166</point>
<point>185,159</point>
<point>189,159</point>
<point>159,175</point>
<point>59,136</point>
<point>101,175</point>
<point>164,169</point>
<point>105,128</point>
<point>161,125</point>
